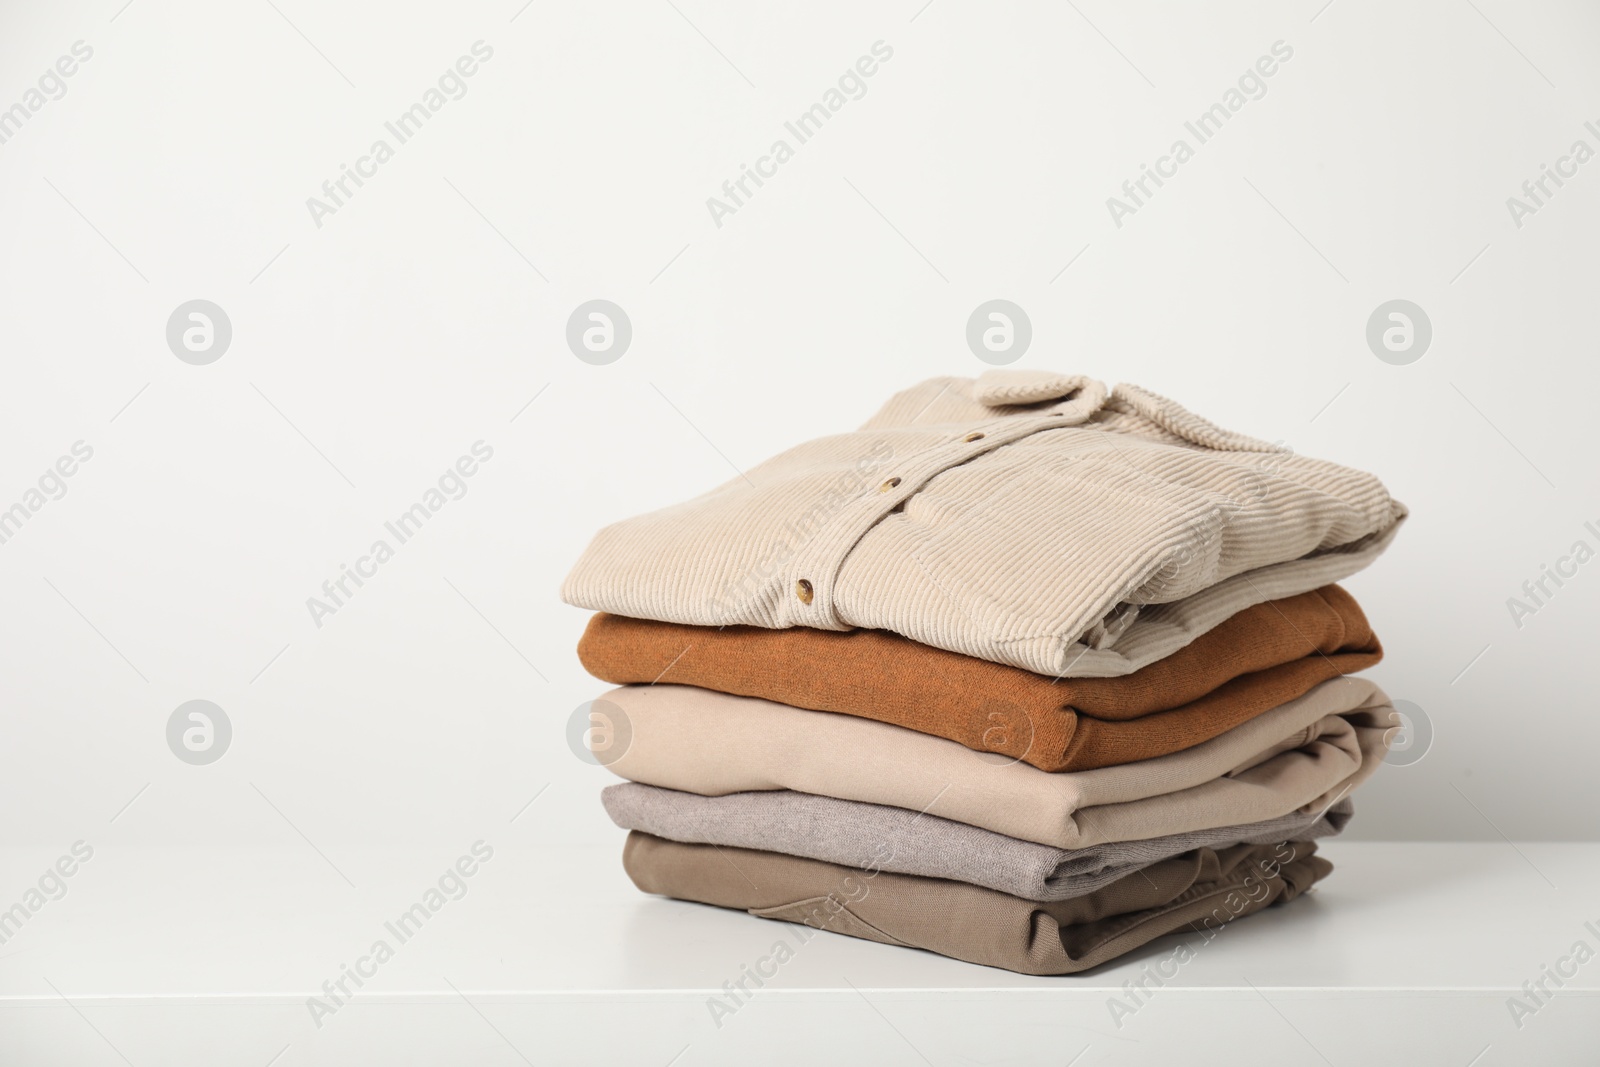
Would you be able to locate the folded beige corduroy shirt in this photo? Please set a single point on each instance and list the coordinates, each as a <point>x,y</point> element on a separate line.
<point>1023,517</point>
<point>1300,756</point>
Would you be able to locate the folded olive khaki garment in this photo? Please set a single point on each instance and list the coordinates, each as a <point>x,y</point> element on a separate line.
<point>1022,517</point>
<point>1198,891</point>
<point>1262,657</point>
<point>873,837</point>
<point>1300,756</point>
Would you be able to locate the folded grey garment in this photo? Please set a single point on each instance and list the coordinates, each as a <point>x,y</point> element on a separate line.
<point>875,837</point>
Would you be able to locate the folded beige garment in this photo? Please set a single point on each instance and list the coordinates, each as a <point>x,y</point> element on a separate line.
<point>1197,891</point>
<point>878,837</point>
<point>1300,756</point>
<point>1023,517</point>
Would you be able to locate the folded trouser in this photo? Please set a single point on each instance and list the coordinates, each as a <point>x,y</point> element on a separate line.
<point>1258,659</point>
<point>1301,756</point>
<point>1198,891</point>
<point>873,837</point>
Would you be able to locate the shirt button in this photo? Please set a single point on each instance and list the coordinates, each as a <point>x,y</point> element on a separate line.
<point>888,485</point>
<point>802,589</point>
<point>973,437</point>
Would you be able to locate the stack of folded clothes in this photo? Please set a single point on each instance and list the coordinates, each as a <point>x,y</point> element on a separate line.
<point>1024,671</point>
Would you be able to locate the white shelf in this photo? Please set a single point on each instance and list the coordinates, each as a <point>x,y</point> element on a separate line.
<point>181,956</point>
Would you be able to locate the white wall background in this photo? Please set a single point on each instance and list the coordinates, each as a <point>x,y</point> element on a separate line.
<point>369,353</point>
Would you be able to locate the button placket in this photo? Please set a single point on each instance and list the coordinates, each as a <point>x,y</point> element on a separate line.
<point>810,576</point>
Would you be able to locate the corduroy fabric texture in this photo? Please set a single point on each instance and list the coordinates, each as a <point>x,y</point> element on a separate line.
<point>1036,534</point>
<point>1262,657</point>
<point>1199,891</point>
<point>1301,756</point>
<point>873,837</point>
